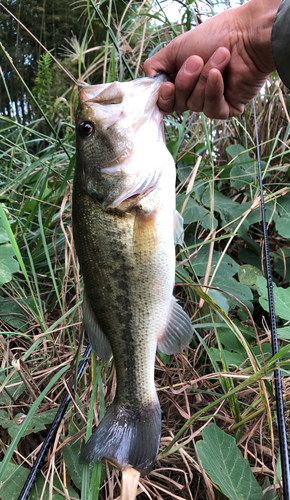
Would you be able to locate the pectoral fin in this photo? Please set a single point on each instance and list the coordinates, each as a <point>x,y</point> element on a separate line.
<point>178,331</point>
<point>98,340</point>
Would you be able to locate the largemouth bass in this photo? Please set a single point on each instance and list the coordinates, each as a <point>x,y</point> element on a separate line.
<point>123,221</point>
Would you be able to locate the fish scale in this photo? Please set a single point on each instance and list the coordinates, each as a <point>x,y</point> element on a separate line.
<point>123,222</point>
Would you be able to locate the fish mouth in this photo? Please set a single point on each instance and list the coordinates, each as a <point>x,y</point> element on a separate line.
<point>162,75</point>
<point>112,93</point>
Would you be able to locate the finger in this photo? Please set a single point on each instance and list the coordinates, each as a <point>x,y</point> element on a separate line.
<point>215,104</point>
<point>219,61</point>
<point>185,81</point>
<point>162,61</point>
<point>166,97</point>
<point>165,59</point>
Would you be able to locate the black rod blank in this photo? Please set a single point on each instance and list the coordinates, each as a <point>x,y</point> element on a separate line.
<point>275,348</point>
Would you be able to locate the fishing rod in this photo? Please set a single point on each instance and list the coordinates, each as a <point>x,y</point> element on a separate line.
<point>52,431</point>
<point>275,348</point>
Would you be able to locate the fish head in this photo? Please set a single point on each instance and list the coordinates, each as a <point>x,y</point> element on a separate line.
<point>116,126</point>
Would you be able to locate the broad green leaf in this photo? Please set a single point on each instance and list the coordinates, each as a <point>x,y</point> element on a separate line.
<point>247,331</point>
<point>248,274</point>
<point>281,298</point>
<point>228,209</point>
<point>241,292</point>
<point>12,481</point>
<point>71,454</point>
<point>255,215</point>
<point>281,254</point>
<point>227,267</point>
<point>232,358</point>
<point>281,260</point>
<point>37,423</point>
<point>183,171</point>
<point>266,350</point>
<point>17,314</point>
<point>225,465</point>
<point>283,226</point>
<point>234,150</point>
<point>181,272</point>
<point>245,168</point>
<point>284,332</point>
<point>164,357</point>
<point>284,205</point>
<point>268,353</point>
<point>3,417</point>
<point>8,265</point>
<point>12,446</point>
<point>195,213</point>
<point>220,299</point>
<point>250,257</point>
<point>3,233</point>
<point>229,339</point>
<point>14,477</point>
<point>13,389</point>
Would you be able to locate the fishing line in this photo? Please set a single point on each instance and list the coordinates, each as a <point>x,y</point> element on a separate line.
<point>275,347</point>
<point>52,431</point>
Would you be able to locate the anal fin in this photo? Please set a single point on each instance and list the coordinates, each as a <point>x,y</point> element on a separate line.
<point>178,331</point>
<point>98,340</point>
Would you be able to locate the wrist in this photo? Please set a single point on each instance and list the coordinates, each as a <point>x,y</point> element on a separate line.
<point>261,15</point>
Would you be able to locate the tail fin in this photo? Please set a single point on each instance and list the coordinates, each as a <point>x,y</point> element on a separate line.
<point>127,437</point>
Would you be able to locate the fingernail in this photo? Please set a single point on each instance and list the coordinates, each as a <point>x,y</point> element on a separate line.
<point>218,57</point>
<point>165,92</point>
<point>192,66</point>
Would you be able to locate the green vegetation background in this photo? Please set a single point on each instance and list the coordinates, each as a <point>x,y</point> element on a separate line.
<point>217,398</point>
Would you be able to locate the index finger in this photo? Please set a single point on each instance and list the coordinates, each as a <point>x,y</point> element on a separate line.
<point>164,60</point>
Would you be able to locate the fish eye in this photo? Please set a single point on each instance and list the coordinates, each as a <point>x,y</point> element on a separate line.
<point>86,128</point>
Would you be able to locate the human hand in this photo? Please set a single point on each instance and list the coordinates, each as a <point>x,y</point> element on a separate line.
<point>219,66</point>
